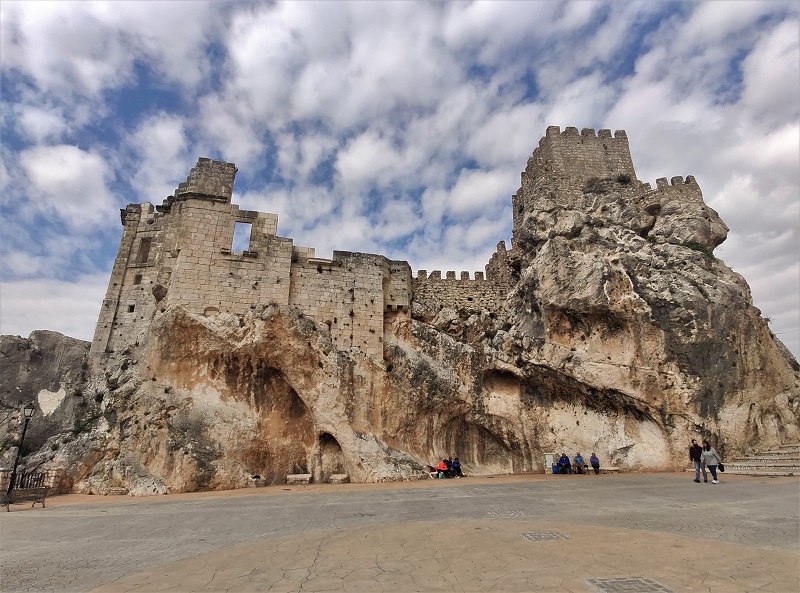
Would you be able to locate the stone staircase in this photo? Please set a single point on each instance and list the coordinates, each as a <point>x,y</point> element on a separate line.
<point>780,461</point>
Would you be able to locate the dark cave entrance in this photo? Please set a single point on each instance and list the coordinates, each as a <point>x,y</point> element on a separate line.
<point>331,457</point>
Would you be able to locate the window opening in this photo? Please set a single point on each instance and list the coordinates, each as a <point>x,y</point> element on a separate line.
<point>241,236</point>
<point>137,279</point>
<point>131,308</point>
<point>144,250</point>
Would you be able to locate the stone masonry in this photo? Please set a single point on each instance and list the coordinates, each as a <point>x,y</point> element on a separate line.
<point>181,253</point>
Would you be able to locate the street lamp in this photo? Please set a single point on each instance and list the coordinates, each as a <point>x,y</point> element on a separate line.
<point>27,411</point>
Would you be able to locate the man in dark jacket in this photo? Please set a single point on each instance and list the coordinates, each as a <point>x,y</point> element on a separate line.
<point>564,466</point>
<point>695,453</point>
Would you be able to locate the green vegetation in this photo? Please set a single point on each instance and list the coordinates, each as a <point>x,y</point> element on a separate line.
<point>701,248</point>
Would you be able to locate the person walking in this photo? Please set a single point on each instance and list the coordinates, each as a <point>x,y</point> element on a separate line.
<point>696,457</point>
<point>711,459</point>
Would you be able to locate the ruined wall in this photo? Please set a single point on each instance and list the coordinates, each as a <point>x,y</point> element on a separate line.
<point>182,254</point>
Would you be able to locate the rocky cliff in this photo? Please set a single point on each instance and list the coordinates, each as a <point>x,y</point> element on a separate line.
<point>622,334</point>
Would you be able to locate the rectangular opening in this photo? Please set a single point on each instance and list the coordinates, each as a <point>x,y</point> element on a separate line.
<point>144,250</point>
<point>241,236</point>
<point>137,279</point>
<point>131,308</point>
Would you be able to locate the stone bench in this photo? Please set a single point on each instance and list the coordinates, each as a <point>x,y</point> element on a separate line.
<point>297,479</point>
<point>339,479</point>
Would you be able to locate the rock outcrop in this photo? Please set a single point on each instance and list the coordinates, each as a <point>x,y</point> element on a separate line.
<point>618,332</point>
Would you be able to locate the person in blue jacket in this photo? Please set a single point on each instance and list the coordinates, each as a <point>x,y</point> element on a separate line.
<point>564,466</point>
<point>579,463</point>
<point>456,468</point>
<point>595,463</point>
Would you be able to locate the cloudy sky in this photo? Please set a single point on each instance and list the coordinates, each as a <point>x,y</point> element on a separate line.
<point>393,128</point>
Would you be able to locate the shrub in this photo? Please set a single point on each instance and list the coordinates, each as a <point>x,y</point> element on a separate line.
<point>699,247</point>
<point>594,186</point>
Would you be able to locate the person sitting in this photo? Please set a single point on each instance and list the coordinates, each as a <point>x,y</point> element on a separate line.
<point>578,463</point>
<point>564,466</point>
<point>556,469</point>
<point>442,469</point>
<point>456,468</point>
<point>595,463</point>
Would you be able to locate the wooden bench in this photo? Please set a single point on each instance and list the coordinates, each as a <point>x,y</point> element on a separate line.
<point>32,487</point>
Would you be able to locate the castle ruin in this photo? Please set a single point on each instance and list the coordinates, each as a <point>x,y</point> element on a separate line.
<point>182,253</point>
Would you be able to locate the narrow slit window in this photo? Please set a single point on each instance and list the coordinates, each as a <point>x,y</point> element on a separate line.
<point>241,236</point>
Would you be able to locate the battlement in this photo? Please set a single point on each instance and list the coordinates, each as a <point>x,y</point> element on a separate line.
<point>436,275</point>
<point>580,156</point>
<point>208,179</point>
<point>687,188</point>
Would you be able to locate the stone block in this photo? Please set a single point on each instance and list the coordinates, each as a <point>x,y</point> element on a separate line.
<point>298,479</point>
<point>339,479</point>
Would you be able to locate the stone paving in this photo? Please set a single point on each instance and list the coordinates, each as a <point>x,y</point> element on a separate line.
<point>630,533</point>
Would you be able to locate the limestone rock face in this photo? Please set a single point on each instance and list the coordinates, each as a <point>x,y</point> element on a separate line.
<point>618,333</point>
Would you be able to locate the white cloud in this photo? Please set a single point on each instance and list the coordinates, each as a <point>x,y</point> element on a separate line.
<point>41,125</point>
<point>63,47</point>
<point>772,75</point>
<point>67,307</point>
<point>69,182</point>
<point>160,144</point>
<point>477,191</point>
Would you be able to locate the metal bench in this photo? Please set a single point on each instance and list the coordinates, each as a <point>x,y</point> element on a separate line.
<point>32,487</point>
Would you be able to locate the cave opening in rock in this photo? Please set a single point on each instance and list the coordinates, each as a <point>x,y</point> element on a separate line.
<point>284,431</point>
<point>331,457</point>
<point>477,447</point>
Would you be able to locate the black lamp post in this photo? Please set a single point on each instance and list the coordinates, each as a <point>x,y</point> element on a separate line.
<point>27,411</point>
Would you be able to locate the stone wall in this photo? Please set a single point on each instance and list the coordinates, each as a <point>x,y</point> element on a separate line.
<point>182,254</point>
<point>460,294</point>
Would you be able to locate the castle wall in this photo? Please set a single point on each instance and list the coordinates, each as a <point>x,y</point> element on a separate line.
<point>582,156</point>
<point>183,255</point>
<point>562,165</point>
<point>209,276</point>
<point>459,294</point>
<point>349,294</point>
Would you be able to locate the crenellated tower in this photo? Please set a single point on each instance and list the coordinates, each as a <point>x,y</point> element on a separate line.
<point>564,162</point>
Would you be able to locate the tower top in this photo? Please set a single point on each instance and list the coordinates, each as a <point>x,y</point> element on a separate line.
<point>580,156</point>
<point>208,179</point>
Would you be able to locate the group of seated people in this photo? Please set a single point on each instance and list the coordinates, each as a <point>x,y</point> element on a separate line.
<point>447,468</point>
<point>564,466</point>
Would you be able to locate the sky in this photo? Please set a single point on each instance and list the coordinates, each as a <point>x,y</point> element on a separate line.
<point>397,128</point>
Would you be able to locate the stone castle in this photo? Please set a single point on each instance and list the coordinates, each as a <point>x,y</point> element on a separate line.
<point>224,358</point>
<point>181,253</point>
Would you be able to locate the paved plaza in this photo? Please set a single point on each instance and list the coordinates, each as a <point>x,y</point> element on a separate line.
<point>629,533</point>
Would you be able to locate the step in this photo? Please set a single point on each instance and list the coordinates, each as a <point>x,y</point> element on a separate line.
<point>762,459</point>
<point>757,473</point>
